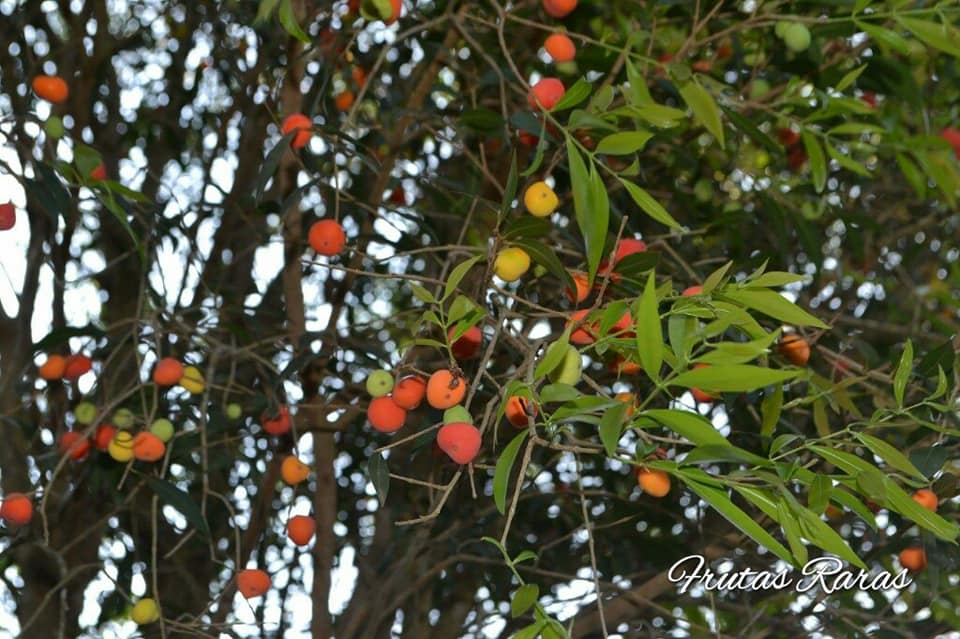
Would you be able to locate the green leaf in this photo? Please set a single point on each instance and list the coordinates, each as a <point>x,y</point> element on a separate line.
<point>592,226</point>
<point>457,275</point>
<point>770,409</point>
<point>723,453</point>
<point>289,22</point>
<point>819,495</point>
<point>638,93</point>
<point>379,472</point>
<point>850,78</point>
<point>818,164</point>
<point>732,378</point>
<point>558,393</point>
<point>658,115</point>
<point>752,131</point>
<point>773,304</point>
<point>846,161</point>
<point>912,172</point>
<point>885,37</point>
<point>573,96</point>
<point>422,294</point>
<point>62,335</point>
<point>940,36</point>
<point>929,460</point>
<point>501,473</point>
<point>524,599</point>
<point>611,427</point>
<point>527,227</point>
<point>704,108</point>
<point>482,120</point>
<point>542,254</point>
<point>775,278</point>
<point>714,279</point>
<point>269,167</point>
<point>623,143</point>
<point>791,530</point>
<point>265,11</point>
<point>890,455</point>
<point>691,426</point>
<point>526,555</point>
<point>510,192</point>
<point>649,205</point>
<point>532,631</point>
<point>901,502</point>
<point>553,356</point>
<point>649,331</point>
<point>181,501</point>
<point>902,374</point>
<point>738,352</point>
<point>817,531</point>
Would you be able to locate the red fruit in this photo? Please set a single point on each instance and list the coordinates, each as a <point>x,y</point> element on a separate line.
<point>302,125</point>
<point>327,237</point>
<point>623,326</point>
<point>384,414</point>
<point>397,6</point>
<point>724,51</point>
<point>703,66</point>
<point>77,366</point>
<point>168,372</point>
<point>926,498</point>
<point>545,93</point>
<point>467,344</point>
<point>870,99</point>
<point>75,445</point>
<point>913,559</point>
<point>8,216</point>
<point>585,333</point>
<point>628,246</point>
<point>527,139</point>
<point>253,583</point>
<point>104,436</point>
<point>16,509</point>
<point>99,173</point>
<point>459,440</point>
<point>559,8</point>
<point>277,424</point>
<point>148,447</point>
<point>690,291</point>
<point>796,159</point>
<point>560,47</point>
<point>300,529</point>
<point>952,136</point>
<point>517,410</point>
<point>788,137</point>
<point>581,281</point>
<point>51,88</point>
<point>409,392</point>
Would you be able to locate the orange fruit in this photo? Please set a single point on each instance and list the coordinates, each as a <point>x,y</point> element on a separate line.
<point>560,47</point>
<point>51,88</point>
<point>926,498</point>
<point>359,76</point>
<point>559,8</point>
<point>397,6</point>
<point>148,447</point>
<point>16,509</point>
<point>655,483</point>
<point>585,333</point>
<point>913,559</point>
<point>104,436</point>
<point>622,366</point>
<point>293,471</point>
<point>343,101</point>
<point>384,414</point>
<point>517,410</point>
<point>467,344</point>
<point>409,392</point>
<point>630,400</point>
<point>302,125</point>
<point>327,237</point>
<point>53,368</point>
<point>545,94</point>
<point>459,440</point>
<point>278,423</point>
<point>795,349</point>
<point>77,366</point>
<point>253,583</point>
<point>952,136</point>
<point>74,444</point>
<point>690,291</point>
<point>444,389</point>
<point>581,281</point>
<point>168,372</point>
<point>300,529</point>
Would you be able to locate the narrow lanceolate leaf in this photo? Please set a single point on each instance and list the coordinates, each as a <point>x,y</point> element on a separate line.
<point>775,305</point>
<point>649,205</point>
<point>599,207</point>
<point>573,96</point>
<point>182,501</point>
<point>938,35</point>
<point>822,535</point>
<point>689,425</point>
<point>752,131</point>
<point>704,108</point>
<point>524,599</point>
<point>649,332</point>
<point>265,10</point>
<point>269,166</point>
<point>501,474</point>
<point>850,78</point>
<point>379,473</point>
<point>890,455</point>
<point>900,501</point>
<point>457,275</point>
<point>902,374</point>
<point>611,427</point>
<point>510,192</point>
<point>770,409</point>
<point>289,22</point>
<point>580,183</point>
<point>818,163</point>
<point>732,378</point>
<point>623,143</point>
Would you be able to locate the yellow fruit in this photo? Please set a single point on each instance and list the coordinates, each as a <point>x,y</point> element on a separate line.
<point>540,199</point>
<point>145,611</point>
<point>511,264</point>
<point>192,380</point>
<point>121,446</point>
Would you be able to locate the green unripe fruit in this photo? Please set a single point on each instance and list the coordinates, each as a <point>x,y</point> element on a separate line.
<point>761,160</point>
<point>234,411</point>
<point>162,428</point>
<point>457,414</point>
<point>85,413</point>
<point>570,368</point>
<point>54,127</point>
<point>379,383</point>
<point>780,29</point>
<point>703,190</point>
<point>797,38</point>
<point>567,68</point>
<point>123,419</point>
<point>759,88</point>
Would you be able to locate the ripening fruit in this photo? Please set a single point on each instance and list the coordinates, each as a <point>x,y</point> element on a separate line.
<point>517,410</point>
<point>359,76</point>
<point>409,392</point>
<point>385,416</point>
<point>99,172</point>
<point>75,445</point>
<point>277,423</point>
<point>780,28</point>
<point>168,371</point>
<point>122,418</point>
<point>121,446</point>
<point>148,447</point>
<point>85,413</point>
<point>628,246</point>
<point>163,429</point>
<point>145,611</point>
<point>300,529</point>
<point>457,414</point>
<point>104,435</point>
<point>623,366</point>
<point>343,101</point>
<point>560,47</point>
<point>252,583</point>
<point>8,216</point>
<point>570,369</point>
<point>913,559</point>
<point>302,125</point>
<point>926,498</point>
<point>559,8</point>
<point>16,509</point>
<point>582,282</point>
<point>445,389</point>
<point>511,263</point>
<point>540,200</point>
<point>459,440</point>
<point>77,366</point>
<point>293,471</point>
<point>327,238</point>
<point>467,344</point>
<point>630,400</point>
<point>795,349</point>
<point>234,411</point>
<point>585,333</point>
<point>833,513</point>
<point>53,368</point>
<point>952,136</point>
<point>51,88</point>
<point>690,291</point>
<point>655,483</point>
<point>397,6</point>
<point>379,383</point>
<point>545,94</point>
<point>54,127</point>
<point>192,380</point>
<point>797,37</point>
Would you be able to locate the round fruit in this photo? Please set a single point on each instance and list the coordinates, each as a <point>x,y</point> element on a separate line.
<point>54,127</point>
<point>85,413</point>
<point>385,416</point>
<point>51,88</point>
<point>16,509</point>
<point>253,583</point>
<point>913,559</point>
<point>300,529</point>
<point>540,200</point>
<point>192,380</point>
<point>163,429</point>
<point>459,440</point>
<point>278,423</point>
<point>293,471</point>
<point>952,136</point>
<point>570,368</point>
<point>560,47</point>
<point>780,28</point>
<point>76,367</point>
<point>121,446</point>
<point>359,76</point>
<point>511,263</point>
<point>927,499</point>
<point>104,435</point>
<point>795,349</point>
<point>75,445</point>
<point>145,611</point>
<point>518,409</point>
<point>545,94</point>
<point>327,237</point>
<point>148,447</point>
<point>655,483</point>
<point>690,291</point>
<point>53,368</point>
<point>445,389</point>
<point>99,172</point>
<point>630,400</point>
<point>343,101</point>
<point>584,334</point>
<point>409,392</point>
<point>797,37</point>
<point>379,383</point>
<point>302,125</point>
<point>759,88</point>
<point>168,371</point>
<point>123,418</point>
<point>559,8</point>
<point>628,246</point>
<point>8,216</point>
<point>622,366</point>
<point>234,411</point>
<point>582,282</point>
<point>457,414</point>
<point>467,344</point>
